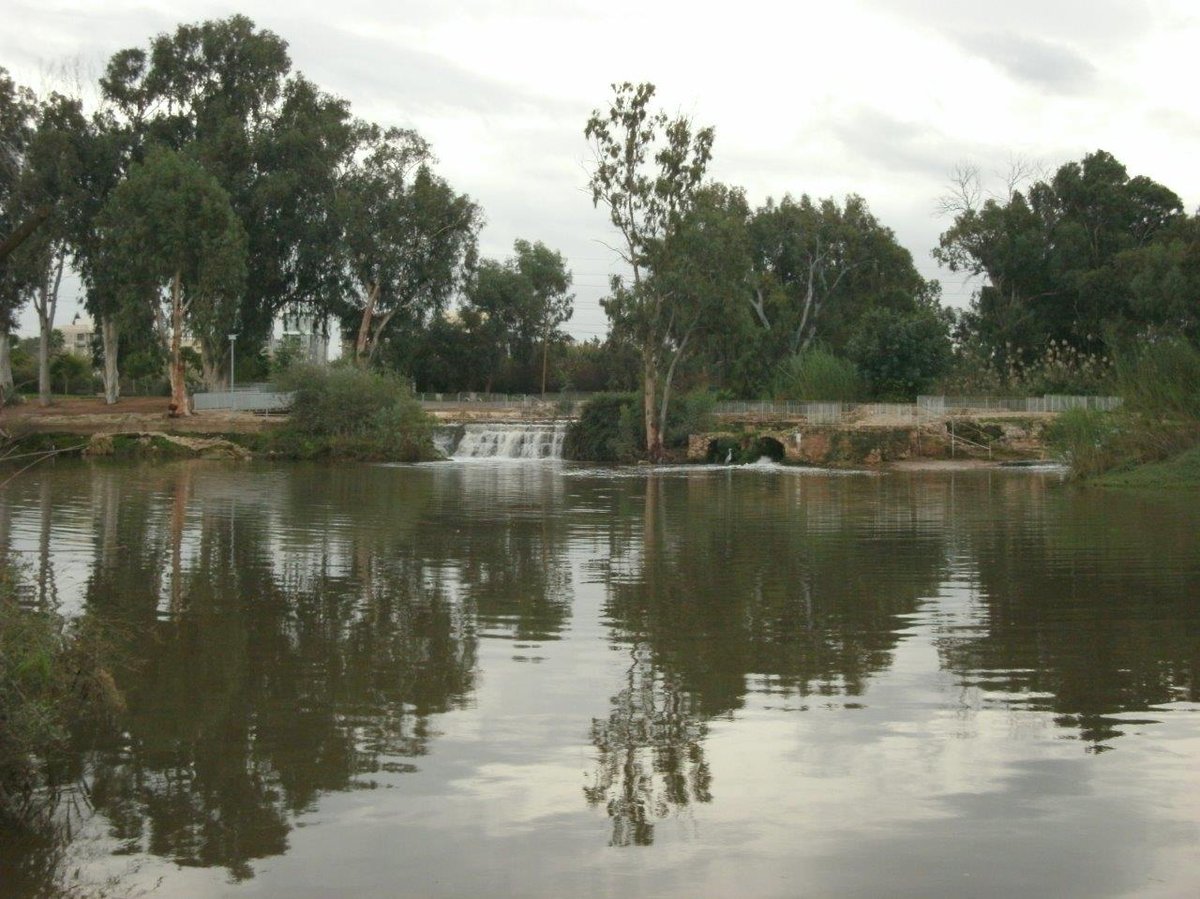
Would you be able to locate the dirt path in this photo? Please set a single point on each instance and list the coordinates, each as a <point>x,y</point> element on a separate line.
<point>89,415</point>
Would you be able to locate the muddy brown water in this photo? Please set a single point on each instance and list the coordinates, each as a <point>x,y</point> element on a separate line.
<point>547,679</point>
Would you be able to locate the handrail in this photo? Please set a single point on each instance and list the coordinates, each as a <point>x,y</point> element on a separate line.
<point>966,440</point>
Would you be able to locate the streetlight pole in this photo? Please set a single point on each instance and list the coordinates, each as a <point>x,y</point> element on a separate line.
<point>232,338</point>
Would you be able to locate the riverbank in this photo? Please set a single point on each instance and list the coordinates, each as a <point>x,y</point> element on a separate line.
<point>88,415</point>
<point>1182,471</point>
<point>141,426</point>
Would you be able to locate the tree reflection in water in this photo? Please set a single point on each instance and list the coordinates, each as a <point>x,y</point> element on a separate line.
<point>793,600</point>
<point>261,675</point>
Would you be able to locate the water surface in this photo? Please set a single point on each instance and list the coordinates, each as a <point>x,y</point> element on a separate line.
<point>540,679</point>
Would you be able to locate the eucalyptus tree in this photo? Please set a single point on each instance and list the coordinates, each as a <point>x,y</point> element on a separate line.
<point>49,178</point>
<point>549,280</point>
<point>169,227</point>
<point>515,304</point>
<point>409,239</point>
<point>646,171</point>
<point>18,118</point>
<point>819,265</point>
<point>17,115</point>
<point>224,92</point>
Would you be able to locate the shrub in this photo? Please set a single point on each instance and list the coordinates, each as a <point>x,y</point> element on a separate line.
<point>602,431</point>
<point>610,427</point>
<point>900,354</point>
<point>347,412</point>
<point>52,680</point>
<point>817,374</point>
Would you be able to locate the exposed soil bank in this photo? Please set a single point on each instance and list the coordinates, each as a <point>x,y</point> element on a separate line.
<point>87,415</point>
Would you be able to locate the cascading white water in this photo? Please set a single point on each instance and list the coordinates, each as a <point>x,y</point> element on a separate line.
<point>511,441</point>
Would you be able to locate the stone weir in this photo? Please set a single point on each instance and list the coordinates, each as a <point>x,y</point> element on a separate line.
<point>855,445</point>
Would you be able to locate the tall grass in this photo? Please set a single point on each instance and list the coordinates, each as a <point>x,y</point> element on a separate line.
<point>1160,418</point>
<point>1161,379</point>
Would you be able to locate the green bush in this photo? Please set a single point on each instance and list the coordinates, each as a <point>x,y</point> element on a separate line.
<point>610,427</point>
<point>602,433</point>
<point>346,412</point>
<point>52,680</point>
<point>817,374</point>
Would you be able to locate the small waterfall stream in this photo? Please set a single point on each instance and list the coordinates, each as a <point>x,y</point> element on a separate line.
<point>497,440</point>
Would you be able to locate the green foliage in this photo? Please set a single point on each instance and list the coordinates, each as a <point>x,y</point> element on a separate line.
<point>71,374</point>
<point>1069,259</point>
<point>817,374</point>
<point>1090,441</point>
<point>610,427</point>
<point>53,678</point>
<point>1161,379</point>
<point>1181,471</point>
<point>409,238</point>
<point>1160,418</point>
<point>348,412</point>
<point>648,172</point>
<point>1059,368</point>
<point>597,435</point>
<point>900,354</point>
<point>288,352</point>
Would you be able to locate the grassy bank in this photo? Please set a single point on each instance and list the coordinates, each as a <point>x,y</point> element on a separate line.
<point>1182,471</point>
<point>1154,439</point>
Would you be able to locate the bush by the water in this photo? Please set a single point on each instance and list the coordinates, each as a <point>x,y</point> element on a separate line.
<point>342,411</point>
<point>53,680</point>
<point>610,427</point>
<point>1160,418</point>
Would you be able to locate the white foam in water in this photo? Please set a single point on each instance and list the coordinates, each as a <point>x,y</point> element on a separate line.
<point>511,441</point>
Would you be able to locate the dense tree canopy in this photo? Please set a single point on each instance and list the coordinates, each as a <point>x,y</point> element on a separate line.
<point>1058,259</point>
<point>349,221</point>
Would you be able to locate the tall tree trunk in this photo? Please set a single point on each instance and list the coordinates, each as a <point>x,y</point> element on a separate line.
<point>44,329</point>
<point>112,375</point>
<point>6,379</point>
<point>179,398</point>
<point>210,369</point>
<point>46,303</point>
<point>545,355</point>
<point>654,445</point>
<point>362,345</point>
<point>666,389</point>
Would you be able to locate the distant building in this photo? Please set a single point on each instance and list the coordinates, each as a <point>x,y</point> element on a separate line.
<point>77,337</point>
<point>307,334</point>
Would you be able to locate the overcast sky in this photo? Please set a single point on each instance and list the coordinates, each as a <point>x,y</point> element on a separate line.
<point>876,97</point>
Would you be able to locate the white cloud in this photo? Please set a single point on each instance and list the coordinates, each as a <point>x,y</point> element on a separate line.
<point>876,97</point>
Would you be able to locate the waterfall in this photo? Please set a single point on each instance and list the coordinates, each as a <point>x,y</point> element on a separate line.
<point>511,441</point>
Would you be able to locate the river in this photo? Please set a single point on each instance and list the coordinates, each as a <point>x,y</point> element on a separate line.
<point>545,679</point>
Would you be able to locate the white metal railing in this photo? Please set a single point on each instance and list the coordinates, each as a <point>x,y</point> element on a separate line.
<point>250,398</point>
